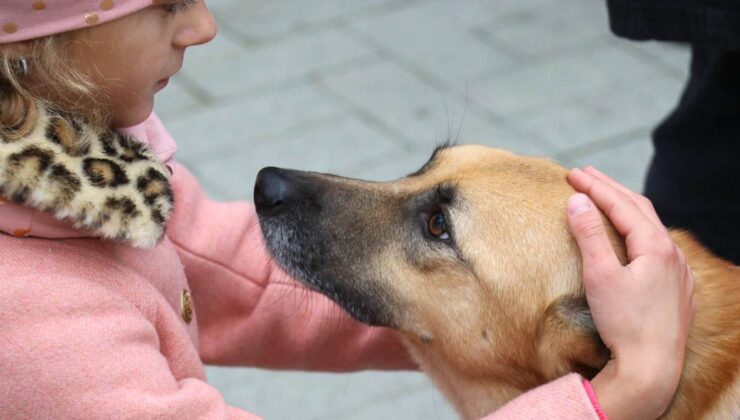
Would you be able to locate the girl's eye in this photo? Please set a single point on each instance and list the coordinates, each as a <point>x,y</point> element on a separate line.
<point>437,226</point>
<point>180,5</point>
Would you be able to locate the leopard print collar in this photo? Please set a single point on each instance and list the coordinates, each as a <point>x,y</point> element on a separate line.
<point>107,183</point>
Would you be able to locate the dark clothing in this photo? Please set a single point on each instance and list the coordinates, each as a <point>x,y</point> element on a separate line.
<point>714,23</point>
<point>694,177</point>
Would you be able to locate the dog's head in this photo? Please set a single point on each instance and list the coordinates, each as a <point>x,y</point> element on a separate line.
<point>470,257</point>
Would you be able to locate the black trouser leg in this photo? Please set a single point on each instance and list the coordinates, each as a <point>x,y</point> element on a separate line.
<point>694,177</point>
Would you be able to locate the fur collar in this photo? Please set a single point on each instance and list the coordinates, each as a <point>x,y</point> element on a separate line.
<point>105,182</point>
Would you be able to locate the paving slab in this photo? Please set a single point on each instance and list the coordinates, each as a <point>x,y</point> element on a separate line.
<point>420,112</point>
<point>549,32</point>
<point>266,66</point>
<point>433,44</point>
<point>333,146</point>
<point>603,113</point>
<point>547,84</point>
<point>228,127</point>
<point>359,395</point>
<point>264,21</point>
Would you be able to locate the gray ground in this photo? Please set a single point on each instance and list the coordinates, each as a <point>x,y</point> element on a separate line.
<point>366,88</point>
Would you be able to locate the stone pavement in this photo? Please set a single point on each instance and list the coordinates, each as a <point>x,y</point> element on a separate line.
<point>366,88</point>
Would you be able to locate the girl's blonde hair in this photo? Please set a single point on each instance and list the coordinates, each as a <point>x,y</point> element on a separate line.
<point>67,89</point>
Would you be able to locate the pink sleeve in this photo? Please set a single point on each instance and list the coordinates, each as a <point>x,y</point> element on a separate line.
<point>72,348</point>
<point>249,311</point>
<point>566,398</point>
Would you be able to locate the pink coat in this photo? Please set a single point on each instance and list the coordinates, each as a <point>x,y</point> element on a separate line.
<point>95,328</point>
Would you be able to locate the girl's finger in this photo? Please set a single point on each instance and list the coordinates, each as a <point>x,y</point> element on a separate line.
<point>642,202</point>
<point>629,220</point>
<point>588,229</point>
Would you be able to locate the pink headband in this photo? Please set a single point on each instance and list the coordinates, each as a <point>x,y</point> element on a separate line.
<point>21,20</point>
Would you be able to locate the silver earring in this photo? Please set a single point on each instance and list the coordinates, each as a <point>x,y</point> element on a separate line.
<point>22,66</point>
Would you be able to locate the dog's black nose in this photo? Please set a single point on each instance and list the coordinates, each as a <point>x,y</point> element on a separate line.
<point>272,189</point>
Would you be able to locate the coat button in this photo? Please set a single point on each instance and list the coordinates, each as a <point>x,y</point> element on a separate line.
<point>186,306</point>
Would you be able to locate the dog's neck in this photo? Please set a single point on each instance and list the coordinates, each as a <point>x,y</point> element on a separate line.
<point>710,383</point>
<point>472,399</point>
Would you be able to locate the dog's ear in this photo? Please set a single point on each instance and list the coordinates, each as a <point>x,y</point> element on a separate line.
<point>569,341</point>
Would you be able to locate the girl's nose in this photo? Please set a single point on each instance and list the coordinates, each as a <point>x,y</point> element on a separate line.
<point>199,27</point>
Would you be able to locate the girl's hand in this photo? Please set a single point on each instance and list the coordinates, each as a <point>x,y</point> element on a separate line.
<point>643,310</point>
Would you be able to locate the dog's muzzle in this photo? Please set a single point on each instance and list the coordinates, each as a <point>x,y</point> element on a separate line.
<point>310,225</point>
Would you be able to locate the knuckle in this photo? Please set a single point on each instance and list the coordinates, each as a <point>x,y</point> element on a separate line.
<point>591,229</point>
<point>682,259</point>
<point>646,202</point>
<point>690,282</point>
<point>665,249</point>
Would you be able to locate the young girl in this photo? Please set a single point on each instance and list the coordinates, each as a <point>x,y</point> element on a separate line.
<point>120,279</point>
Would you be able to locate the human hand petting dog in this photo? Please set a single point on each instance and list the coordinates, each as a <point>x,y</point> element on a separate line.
<point>642,310</point>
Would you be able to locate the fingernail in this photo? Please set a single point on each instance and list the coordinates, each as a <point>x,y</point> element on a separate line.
<point>578,204</point>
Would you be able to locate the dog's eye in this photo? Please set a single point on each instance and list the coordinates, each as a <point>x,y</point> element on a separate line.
<point>437,226</point>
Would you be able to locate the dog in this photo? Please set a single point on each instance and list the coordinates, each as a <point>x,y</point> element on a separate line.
<point>471,260</point>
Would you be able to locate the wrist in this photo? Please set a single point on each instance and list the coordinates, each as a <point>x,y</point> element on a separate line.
<point>630,392</point>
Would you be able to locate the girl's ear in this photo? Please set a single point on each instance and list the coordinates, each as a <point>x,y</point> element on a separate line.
<point>569,341</point>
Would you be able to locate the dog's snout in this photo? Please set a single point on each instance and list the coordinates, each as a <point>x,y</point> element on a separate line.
<point>272,189</point>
